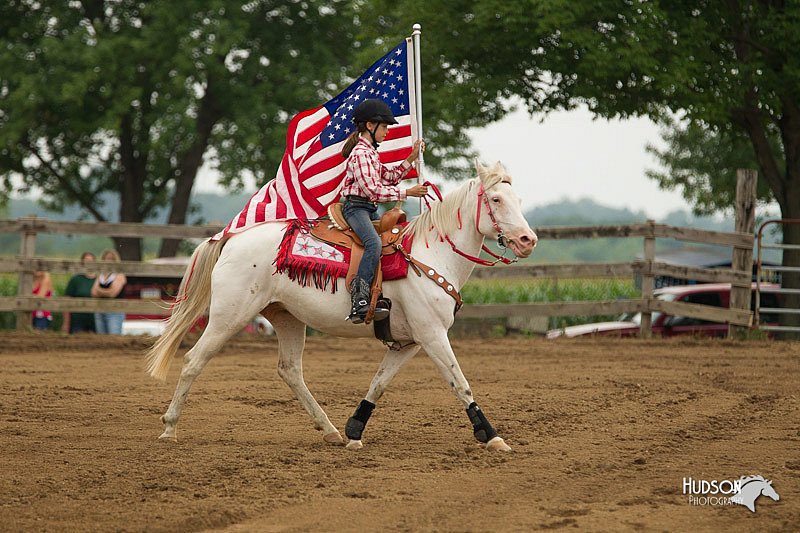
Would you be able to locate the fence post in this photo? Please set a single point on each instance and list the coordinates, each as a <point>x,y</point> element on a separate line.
<point>645,330</point>
<point>746,181</point>
<point>27,249</point>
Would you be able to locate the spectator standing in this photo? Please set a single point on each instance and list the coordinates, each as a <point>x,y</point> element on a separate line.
<point>42,286</point>
<point>109,284</point>
<point>80,286</point>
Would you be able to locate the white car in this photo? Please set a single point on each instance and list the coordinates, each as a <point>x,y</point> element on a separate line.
<point>155,328</point>
<point>152,328</point>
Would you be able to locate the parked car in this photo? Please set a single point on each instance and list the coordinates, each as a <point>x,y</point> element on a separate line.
<point>165,289</point>
<point>664,325</point>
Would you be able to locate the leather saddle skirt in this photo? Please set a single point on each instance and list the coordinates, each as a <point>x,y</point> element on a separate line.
<point>319,253</point>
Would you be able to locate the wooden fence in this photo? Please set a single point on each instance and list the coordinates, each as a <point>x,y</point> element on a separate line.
<point>739,276</point>
<point>26,263</point>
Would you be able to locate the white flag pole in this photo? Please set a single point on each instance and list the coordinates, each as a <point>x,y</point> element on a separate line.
<point>418,97</point>
<point>418,90</point>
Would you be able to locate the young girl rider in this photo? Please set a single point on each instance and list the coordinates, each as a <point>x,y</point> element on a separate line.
<point>368,182</point>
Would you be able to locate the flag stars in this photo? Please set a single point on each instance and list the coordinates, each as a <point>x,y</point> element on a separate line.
<point>393,86</point>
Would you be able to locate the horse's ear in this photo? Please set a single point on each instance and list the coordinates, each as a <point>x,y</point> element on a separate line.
<point>500,170</point>
<point>480,169</point>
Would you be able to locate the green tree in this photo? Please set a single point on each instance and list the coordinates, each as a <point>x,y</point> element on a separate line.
<point>728,67</point>
<point>702,163</point>
<point>133,96</point>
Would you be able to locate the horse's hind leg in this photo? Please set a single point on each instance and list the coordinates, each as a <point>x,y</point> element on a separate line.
<point>195,360</point>
<point>291,335</point>
<point>391,364</point>
<point>218,331</point>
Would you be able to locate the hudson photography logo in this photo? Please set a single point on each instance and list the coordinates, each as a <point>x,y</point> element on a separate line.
<point>743,491</point>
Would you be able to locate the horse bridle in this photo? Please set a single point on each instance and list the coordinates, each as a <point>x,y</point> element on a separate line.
<point>502,240</point>
<point>421,268</point>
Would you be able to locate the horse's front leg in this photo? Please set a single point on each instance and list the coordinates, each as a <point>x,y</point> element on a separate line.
<point>438,348</point>
<point>391,364</point>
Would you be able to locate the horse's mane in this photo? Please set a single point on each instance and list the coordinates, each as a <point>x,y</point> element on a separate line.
<point>443,217</point>
<point>747,479</point>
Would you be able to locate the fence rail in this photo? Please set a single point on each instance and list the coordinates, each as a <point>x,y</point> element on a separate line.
<point>742,242</point>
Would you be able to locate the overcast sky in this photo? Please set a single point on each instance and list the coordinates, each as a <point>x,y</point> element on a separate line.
<point>569,155</point>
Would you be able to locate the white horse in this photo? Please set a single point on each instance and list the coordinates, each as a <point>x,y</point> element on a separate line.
<point>236,280</point>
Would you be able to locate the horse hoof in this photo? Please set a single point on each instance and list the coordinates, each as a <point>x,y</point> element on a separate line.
<point>168,436</point>
<point>498,445</point>
<point>333,438</point>
<point>354,445</point>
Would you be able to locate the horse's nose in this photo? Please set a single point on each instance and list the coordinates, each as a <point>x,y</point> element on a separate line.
<point>529,239</point>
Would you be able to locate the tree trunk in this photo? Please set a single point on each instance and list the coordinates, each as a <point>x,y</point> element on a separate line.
<point>131,190</point>
<point>188,166</point>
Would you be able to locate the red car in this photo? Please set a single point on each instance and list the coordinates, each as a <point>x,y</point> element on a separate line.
<point>714,294</point>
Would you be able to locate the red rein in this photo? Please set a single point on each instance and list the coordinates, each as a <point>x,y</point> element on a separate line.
<point>481,199</point>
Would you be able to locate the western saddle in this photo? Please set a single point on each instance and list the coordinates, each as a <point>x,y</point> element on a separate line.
<point>338,232</point>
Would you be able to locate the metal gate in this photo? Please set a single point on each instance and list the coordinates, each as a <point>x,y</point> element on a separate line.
<point>772,309</point>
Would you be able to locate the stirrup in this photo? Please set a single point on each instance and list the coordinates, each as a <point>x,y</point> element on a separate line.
<point>356,318</point>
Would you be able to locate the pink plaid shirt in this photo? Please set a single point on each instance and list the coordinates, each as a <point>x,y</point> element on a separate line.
<point>366,176</point>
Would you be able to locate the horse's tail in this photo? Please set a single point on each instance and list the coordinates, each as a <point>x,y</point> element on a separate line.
<point>194,297</point>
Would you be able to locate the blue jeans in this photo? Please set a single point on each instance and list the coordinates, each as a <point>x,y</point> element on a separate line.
<point>360,216</point>
<point>110,323</point>
<point>41,322</point>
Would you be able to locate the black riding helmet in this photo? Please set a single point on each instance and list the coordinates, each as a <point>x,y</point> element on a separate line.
<point>373,110</point>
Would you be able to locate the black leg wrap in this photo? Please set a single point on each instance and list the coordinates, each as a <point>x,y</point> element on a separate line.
<point>481,427</point>
<point>356,424</point>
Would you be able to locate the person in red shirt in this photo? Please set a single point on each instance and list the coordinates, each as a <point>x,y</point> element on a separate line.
<point>42,286</point>
<point>368,182</point>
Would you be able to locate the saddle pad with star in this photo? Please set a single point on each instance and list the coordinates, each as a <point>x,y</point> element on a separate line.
<point>307,260</point>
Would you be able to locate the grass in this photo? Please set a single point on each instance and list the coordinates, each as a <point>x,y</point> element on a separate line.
<point>551,290</point>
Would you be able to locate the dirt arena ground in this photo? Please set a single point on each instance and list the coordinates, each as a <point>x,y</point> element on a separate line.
<point>603,433</point>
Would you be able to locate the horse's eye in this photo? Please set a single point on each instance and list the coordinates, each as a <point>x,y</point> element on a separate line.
<point>496,200</point>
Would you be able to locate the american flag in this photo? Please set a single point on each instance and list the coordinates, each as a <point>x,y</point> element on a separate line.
<point>312,171</point>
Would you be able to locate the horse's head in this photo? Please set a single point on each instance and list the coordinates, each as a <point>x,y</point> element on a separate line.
<point>500,211</point>
<point>768,491</point>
